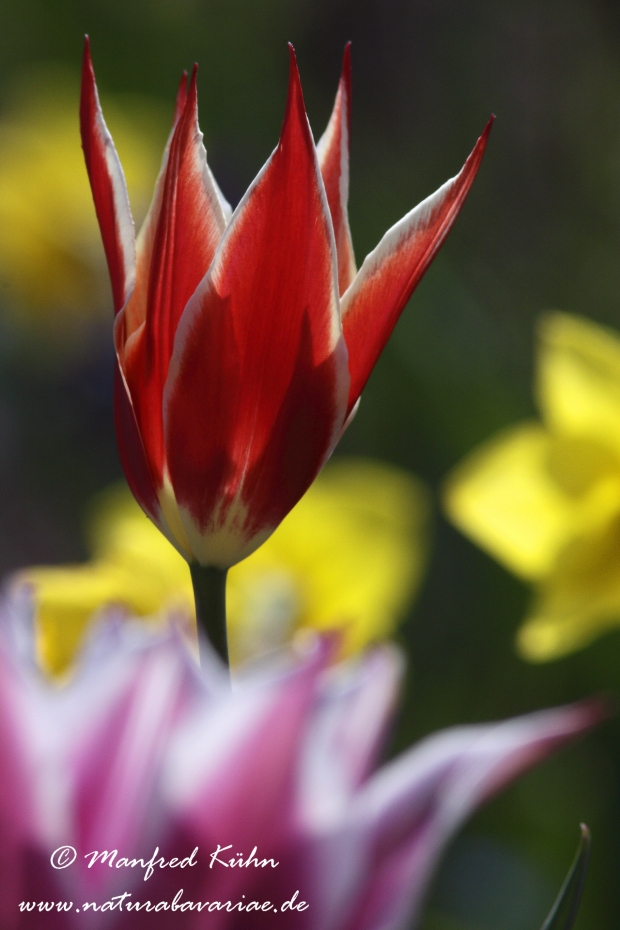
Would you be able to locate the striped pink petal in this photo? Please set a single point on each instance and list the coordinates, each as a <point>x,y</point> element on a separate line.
<point>17,798</point>
<point>115,771</point>
<point>257,388</point>
<point>419,801</point>
<point>383,285</point>
<point>333,154</point>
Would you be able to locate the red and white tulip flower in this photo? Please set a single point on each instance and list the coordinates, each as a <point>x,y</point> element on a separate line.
<point>245,339</point>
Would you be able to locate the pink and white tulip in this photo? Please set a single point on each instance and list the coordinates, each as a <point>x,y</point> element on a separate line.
<point>140,752</point>
<point>244,339</point>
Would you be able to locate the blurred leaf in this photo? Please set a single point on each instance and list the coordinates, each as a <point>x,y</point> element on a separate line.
<point>564,911</point>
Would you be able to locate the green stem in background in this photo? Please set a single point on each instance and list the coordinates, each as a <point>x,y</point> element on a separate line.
<point>210,597</point>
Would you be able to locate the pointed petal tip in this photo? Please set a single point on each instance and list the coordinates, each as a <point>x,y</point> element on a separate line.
<point>108,186</point>
<point>489,126</point>
<point>191,93</point>
<point>295,97</point>
<point>470,169</point>
<point>591,712</point>
<point>88,89</point>
<point>345,77</point>
<point>346,60</point>
<point>601,708</point>
<point>293,72</point>
<point>193,80</point>
<point>482,140</point>
<point>87,64</point>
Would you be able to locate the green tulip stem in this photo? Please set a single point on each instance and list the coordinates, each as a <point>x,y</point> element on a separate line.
<point>210,597</point>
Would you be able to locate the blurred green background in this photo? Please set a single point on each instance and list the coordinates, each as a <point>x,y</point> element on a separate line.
<point>541,230</point>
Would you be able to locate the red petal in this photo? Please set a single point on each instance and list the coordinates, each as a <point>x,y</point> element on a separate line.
<point>130,446</point>
<point>108,186</point>
<point>258,381</point>
<point>389,274</point>
<point>131,450</point>
<point>188,229</point>
<point>135,312</point>
<point>333,154</point>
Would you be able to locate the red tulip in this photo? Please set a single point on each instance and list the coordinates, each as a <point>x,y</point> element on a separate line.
<point>244,341</point>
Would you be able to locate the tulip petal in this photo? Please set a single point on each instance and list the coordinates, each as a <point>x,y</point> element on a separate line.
<point>17,804</point>
<point>108,186</point>
<point>347,734</point>
<point>116,770</point>
<point>418,801</point>
<point>383,285</point>
<point>252,751</point>
<point>333,155</point>
<point>135,313</point>
<point>159,507</point>
<point>176,250</point>
<point>258,381</point>
<point>579,379</point>
<point>187,232</point>
<point>131,449</point>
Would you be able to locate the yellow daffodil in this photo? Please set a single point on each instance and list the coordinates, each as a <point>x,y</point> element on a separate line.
<point>349,555</point>
<point>52,266</point>
<point>544,497</point>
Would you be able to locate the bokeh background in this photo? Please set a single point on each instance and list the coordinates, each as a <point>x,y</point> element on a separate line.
<point>541,230</point>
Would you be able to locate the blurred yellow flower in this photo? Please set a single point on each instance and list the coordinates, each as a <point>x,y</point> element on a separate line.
<point>350,555</point>
<point>544,498</point>
<point>52,266</point>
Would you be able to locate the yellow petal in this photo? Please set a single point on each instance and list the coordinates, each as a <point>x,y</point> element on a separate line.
<point>69,597</point>
<point>579,600</point>
<point>546,500</point>
<point>504,496</point>
<point>579,379</point>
